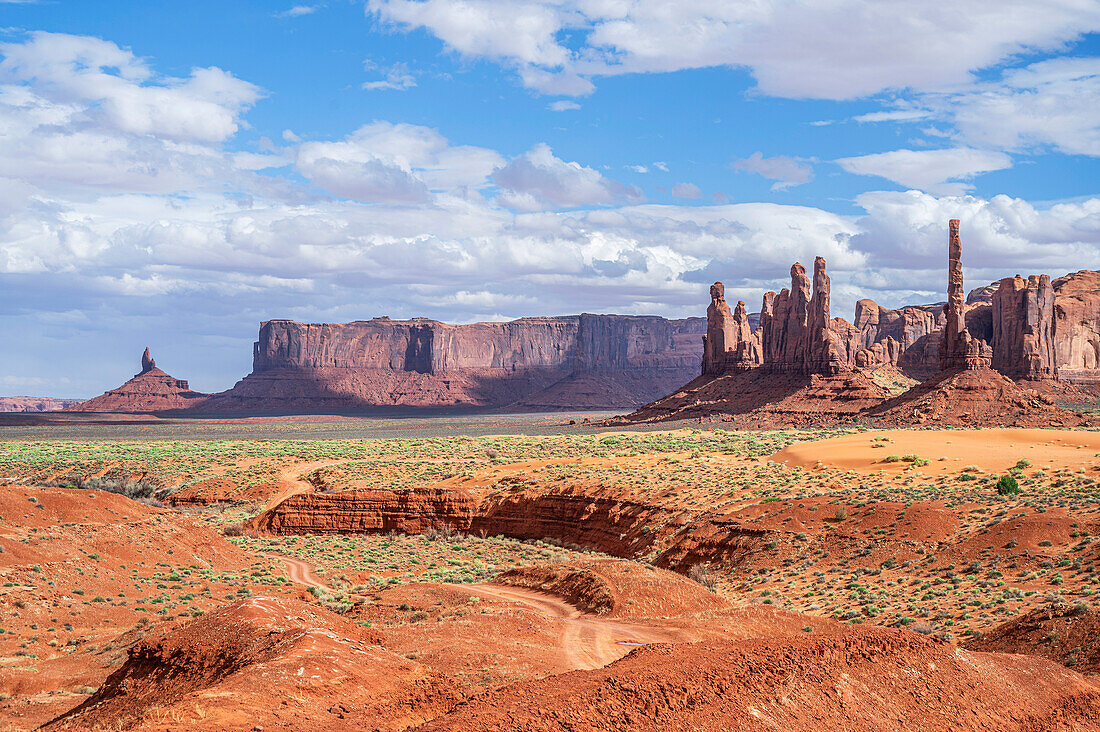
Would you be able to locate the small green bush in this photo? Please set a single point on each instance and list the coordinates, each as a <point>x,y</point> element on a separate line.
<point>1008,486</point>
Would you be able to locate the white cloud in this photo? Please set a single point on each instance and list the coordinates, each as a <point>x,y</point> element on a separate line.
<point>802,50</point>
<point>562,105</point>
<point>106,85</point>
<point>638,168</point>
<point>686,190</point>
<point>398,163</point>
<point>895,115</point>
<point>934,171</point>
<point>523,31</point>
<point>538,179</point>
<point>1001,236</point>
<point>785,171</point>
<point>298,11</point>
<point>397,77</point>
<point>1053,103</point>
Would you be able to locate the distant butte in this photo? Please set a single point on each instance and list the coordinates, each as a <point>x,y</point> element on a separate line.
<point>150,391</point>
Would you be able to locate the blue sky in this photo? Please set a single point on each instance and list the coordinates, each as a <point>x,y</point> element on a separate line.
<point>171,174</point>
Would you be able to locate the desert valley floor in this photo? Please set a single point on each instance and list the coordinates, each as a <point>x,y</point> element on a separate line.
<point>523,572</point>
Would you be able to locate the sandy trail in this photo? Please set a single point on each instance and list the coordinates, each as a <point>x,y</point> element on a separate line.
<point>300,572</point>
<point>992,450</point>
<point>587,641</point>
<point>292,485</point>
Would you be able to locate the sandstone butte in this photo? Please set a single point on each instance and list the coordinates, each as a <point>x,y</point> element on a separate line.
<point>802,367</point>
<point>571,362</point>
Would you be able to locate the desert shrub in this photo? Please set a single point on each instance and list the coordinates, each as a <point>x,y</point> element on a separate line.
<point>1023,463</point>
<point>892,459</point>
<point>840,514</point>
<point>419,616</point>
<point>128,487</point>
<point>704,575</point>
<point>233,529</point>
<point>1008,486</point>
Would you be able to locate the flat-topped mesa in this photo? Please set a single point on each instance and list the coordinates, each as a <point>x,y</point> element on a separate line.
<point>958,349</point>
<point>147,362</point>
<point>1023,328</point>
<point>795,328</point>
<point>729,344</point>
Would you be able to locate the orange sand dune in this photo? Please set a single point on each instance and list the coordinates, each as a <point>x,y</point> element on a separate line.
<point>992,450</point>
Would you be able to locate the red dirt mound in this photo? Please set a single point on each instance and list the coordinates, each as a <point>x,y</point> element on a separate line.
<point>262,661</point>
<point>974,397</point>
<point>863,679</point>
<point>1068,634</point>
<point>616,588</point>
<point>760,398</point>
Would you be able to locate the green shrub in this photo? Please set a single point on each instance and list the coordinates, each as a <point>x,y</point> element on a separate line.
<point>1008,486</point>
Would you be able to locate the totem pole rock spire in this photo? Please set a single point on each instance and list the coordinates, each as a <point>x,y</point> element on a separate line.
<point>958,349</point>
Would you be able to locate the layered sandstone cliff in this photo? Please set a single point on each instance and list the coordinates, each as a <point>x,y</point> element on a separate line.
<point>581,361</point>
<point>1077,326</point>
<point>1023,328</point>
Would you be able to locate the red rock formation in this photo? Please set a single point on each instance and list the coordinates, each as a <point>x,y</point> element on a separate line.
<point>583,361</point>
<point>1077,326</point>
<point>147,362</point>
<point>719,331</point>
<point>823,350</point>
<point>729,343</point>
<point>795,330</point>
<point>1023,328</point>
<point>151,390</point>
<point>958,349</point>
<point>36,404</point>
<point>356,511</point>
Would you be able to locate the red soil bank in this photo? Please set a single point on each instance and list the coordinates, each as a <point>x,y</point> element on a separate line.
<point>864,678</point>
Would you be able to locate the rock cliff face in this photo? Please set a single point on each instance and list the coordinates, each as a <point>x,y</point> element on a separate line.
<point>582,361</point>
<point>1077,326</point>
<point>1023,328</point>
<point>151,390</point>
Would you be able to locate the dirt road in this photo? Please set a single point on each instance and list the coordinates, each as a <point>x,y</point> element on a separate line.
<point>588,641</point>
<point>300,572</point>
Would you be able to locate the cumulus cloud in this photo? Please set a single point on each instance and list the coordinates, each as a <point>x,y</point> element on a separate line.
<point>110,88</point>
<point>537,179</point>
<point>799,50</point>
<point>563,105</point>
<point>785,171</point>
<point>935,171</point>
<point>397,163</point>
